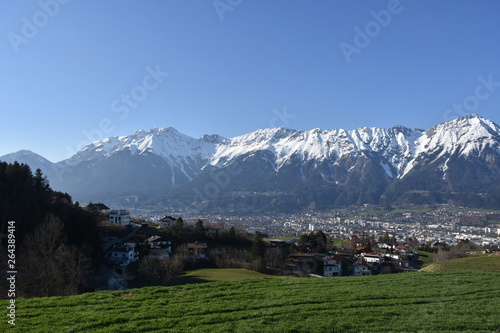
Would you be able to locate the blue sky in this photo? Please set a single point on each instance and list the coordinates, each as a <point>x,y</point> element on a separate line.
<point>74,71</point>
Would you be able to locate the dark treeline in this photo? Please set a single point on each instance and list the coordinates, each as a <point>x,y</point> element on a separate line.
<point>57,243</point>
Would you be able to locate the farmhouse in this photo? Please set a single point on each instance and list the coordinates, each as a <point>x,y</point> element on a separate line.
<point>166,222</point>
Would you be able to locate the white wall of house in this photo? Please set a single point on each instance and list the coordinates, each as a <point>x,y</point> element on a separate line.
<point>361,270</point>
<point>165,224</point>
<point>120,216</point>
<point>372,259</point>
<point>123,255</point>
<point>332,267</point>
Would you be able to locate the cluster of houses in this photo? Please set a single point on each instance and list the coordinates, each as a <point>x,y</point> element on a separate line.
<point>343,262</point>
<point>352,262</point>
<point>124,253</point>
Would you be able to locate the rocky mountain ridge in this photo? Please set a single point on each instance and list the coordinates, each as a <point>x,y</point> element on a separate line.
<point>304,169</point>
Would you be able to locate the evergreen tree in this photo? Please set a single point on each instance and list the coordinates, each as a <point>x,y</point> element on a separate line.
<point>40,181</point>
<point>316,241</point>
<point>27,199</point>
<point>179,223</point>
<point>199,230</point>
<point>258,248</point>
<point>232,232</point>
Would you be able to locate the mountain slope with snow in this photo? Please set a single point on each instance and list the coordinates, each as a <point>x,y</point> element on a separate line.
<point>282,167</point>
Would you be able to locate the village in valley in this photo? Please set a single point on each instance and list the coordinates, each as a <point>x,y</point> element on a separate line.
<point>308,244</point>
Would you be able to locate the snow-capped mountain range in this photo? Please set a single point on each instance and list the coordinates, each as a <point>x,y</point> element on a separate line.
<point>315,168</point>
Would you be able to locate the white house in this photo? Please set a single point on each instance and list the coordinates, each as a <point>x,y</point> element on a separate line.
<point>123,255</point>
<point>393,256</point>
<point>119,216</point>
<point>361,268</point>
<point>332,266</point>
<point>372,258</point>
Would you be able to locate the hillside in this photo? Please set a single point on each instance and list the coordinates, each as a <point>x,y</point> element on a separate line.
<point>482,263</point>
<point>413,302</point>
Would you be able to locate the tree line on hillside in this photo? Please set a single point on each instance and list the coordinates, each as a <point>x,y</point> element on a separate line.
<point>57,243</point>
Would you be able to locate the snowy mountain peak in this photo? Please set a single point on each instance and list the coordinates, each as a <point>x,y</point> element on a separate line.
<point>345,166</point>
<point>463,135</point>
<point>398,148</point>
<point>25,155</point>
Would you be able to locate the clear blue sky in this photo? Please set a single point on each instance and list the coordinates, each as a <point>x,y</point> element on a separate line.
<point>233,68</point>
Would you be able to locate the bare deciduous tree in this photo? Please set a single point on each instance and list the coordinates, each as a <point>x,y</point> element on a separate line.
<point>48,265</point>
<point>230,257</point>
<point>156,269</point>
<point>454,251</point>
<point>274,259</point>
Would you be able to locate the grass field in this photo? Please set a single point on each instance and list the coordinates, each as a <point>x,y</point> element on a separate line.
<point>456,301</point>
<point>425,258</point>
<point>482,263</point>
<point>218,275</point>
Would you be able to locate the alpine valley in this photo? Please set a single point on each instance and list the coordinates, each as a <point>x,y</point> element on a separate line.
<point>285,170</point>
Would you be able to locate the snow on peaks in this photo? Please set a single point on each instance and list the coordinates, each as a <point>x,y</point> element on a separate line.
<point>398,149</point>
<point>319,144</point>
<point>464,135</point>
<point>165,142</point>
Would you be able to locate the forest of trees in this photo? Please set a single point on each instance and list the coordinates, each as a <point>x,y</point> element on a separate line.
<point>57,243</point>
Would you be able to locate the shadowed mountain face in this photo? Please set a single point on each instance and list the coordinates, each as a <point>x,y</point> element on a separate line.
<point>284,170</point>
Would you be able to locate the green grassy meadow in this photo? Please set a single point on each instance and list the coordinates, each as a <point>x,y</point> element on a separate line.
<point>425,258</point>
<point>487,262</point>
<point>455,301</point>
<point>218,275</point>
